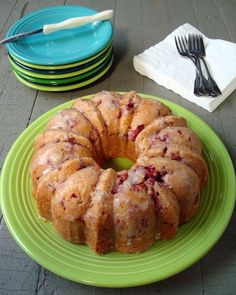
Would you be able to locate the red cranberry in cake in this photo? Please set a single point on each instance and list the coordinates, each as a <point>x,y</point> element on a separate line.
<point>134,132</point>
<point>176,156</point>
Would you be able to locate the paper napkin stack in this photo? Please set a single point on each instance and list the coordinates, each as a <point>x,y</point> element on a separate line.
<point>163,64</point>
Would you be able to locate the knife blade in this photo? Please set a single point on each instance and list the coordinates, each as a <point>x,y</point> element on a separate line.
<point>64,25</point>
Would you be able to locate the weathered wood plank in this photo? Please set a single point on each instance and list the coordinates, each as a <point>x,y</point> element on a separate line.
<point>155,27</point>
<point>18,273</point>
<point>16,100</point>
<point>227,13</point>
<point>184,283</point>
<point>127,43</point>
<point>52,284</point>
<point>6,9</point>
<point>219,268</point>
<point>16,103</point>
<point>15,109</point>
<point>209,12</point>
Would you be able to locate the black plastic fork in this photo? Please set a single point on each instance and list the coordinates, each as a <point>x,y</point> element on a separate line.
<point>197,49</point>
<point>200,83</point>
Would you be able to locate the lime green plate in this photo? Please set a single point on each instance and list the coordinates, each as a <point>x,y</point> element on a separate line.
<point>64,66</point>
<point>70,80</point>
<point>77,262</point>
<point>59,76</point>
<point>65,87</point>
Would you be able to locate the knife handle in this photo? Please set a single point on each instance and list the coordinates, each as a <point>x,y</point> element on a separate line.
<point>77,22</point>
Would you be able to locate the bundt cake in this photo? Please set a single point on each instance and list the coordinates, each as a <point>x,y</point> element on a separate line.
<point>127,210</point>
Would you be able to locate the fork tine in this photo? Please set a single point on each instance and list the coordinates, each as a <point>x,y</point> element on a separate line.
<point>195,42</point>
<point>177,46</point>
<point>202,45</point>
<point>199,41</point>
<point>190,41</point>
<point>184,45</point>
<point>180,44</point>
<point>186,41</point>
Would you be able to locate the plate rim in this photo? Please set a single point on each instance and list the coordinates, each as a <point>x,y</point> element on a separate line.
<point>73,80</point>
<point>60,76</point>
<point>152,278</point>
<point>65,87</point>
<point>63,66</point>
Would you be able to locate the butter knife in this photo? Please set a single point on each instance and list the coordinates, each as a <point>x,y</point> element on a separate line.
<point>64,25</point>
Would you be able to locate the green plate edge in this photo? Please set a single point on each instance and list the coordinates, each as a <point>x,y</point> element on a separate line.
<point>62,82</point>
<point>65,66</point>
<point>64,88</point>
<point>59,76</point>
<point>125,270</point>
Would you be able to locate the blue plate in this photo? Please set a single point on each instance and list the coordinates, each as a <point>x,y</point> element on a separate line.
<point>62,47</point>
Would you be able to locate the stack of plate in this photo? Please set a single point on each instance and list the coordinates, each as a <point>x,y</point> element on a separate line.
<point>63,60</point>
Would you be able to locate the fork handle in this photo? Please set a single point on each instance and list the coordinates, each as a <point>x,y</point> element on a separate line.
<point>214,87</point>
<point>196,88</point>
<point>200,80</point>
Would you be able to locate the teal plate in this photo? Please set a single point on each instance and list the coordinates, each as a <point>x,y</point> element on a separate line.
<point>77,262</point>
<point>62,47</point>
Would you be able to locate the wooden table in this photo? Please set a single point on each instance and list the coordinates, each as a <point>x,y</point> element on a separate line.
<point>138,25</point>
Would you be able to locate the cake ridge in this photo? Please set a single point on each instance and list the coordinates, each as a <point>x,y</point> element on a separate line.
<point>88,109</point>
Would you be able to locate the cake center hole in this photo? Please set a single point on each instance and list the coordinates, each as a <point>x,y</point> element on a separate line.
<point>118,164</point>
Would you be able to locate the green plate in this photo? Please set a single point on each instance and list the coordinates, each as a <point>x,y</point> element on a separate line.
<point>70,80</point>
<point>60,71</point>
<point>65,66</point>
<point>77,262</point>
<point>59,76</point>
<point>65,87</point>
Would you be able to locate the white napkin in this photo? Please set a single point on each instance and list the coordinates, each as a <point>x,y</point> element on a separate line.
<point>163,64</point>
